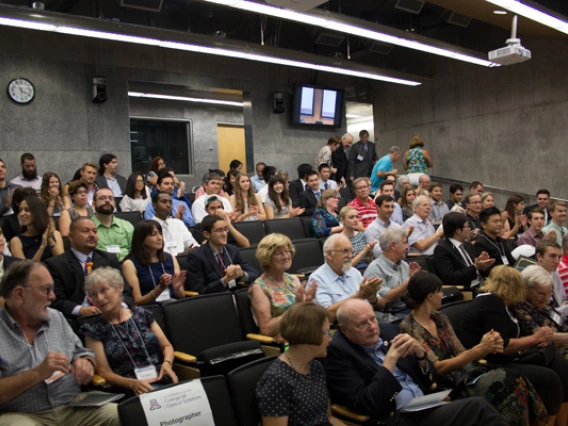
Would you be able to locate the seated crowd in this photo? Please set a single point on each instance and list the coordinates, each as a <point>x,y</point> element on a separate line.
<point>363,329</point>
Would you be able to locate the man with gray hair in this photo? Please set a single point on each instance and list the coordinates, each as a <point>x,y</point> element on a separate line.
<point>423,186</point>
<point>384,166</point>
<point>337,281</point>
<point>212,183</point>
<point>43,363</point>
<point>394,271</point>
<point>425,238</point>
<point>339,158</point>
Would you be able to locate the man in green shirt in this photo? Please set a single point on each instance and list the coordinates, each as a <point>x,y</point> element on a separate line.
<point>115,235</point>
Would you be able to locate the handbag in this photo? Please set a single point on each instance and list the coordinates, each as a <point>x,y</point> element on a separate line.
<point>538,356</point>
<point>458,380</point>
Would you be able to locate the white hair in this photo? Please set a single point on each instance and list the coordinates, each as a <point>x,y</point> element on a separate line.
<point>418,200</point>
<point>329,244</point>
<point>346,136</point>
<point>457,208</point>
<point>394,149</point>
<point>536,275</point>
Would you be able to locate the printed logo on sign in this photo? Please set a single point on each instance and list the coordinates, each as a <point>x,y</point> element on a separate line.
<point>154,405</point>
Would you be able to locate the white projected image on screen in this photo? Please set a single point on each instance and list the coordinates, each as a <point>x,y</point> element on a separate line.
<point>328,104</point>
<point>307,101</point>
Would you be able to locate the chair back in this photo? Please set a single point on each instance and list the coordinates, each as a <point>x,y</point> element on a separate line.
<point>242,301</point>
<point>242,385</point>
<point>132,217</point>
<point>308,257</point>
<point>249,255</point>
<point>253,230</point>
<point>455,312</point>
<point>132,414</point>
<point>182,262</point>
<point>307,223</point>
<point>292,228</point>
<point>158,316</point>
<point>421,260</point>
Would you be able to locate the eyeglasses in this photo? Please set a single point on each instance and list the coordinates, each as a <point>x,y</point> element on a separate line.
<point>328,332</point>
<point>139,180</point>
<point>103,198</point>
<point>282,253</point>
<point>81,193</point>
<point>221,231</point>
<point>344,251</point>
<point>45,290</point>
<point>546,295</point>
<point>359,188</point>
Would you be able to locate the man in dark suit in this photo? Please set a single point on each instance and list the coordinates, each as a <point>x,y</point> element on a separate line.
<point>339,158</point>
<point>301,184</point>
<point>70,269</point>
<point>108,178</point>
<point>455,260</point>
<point>309,199</point>
<point>362,157</point>
<point>542,202</point>
<point>216,267</point>
<point>490,241</point>
<point>377,372</point>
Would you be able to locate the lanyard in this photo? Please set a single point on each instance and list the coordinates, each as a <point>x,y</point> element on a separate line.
<point>152,274</point>
<point>501,250</point>
<point>127,332</point>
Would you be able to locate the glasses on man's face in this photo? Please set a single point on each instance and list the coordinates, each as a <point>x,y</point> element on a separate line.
<point>344,251</point>
<point>45,290</point>
<point>221,231</point>
<point>105,198</point>
<point>360,188</point>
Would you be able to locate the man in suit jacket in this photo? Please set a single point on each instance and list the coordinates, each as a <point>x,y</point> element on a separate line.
<point>299,185</point>
<point>490,241</point>
<point>309,199</point>
<point>377,372</point>
<point>70,269</point>
<point>542,202</point>
<point>455,260</point>
<point>339,158</point>
<point>216,267</point>
<point>108,178</point>
<point>362,157</point>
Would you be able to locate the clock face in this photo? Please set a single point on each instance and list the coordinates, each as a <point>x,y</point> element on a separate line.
<point>21,90</point>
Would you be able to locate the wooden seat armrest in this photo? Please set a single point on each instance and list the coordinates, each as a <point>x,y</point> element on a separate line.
<point>346,412</point>
<point>98,381</point>
<point>191,293</point>
<point>260,338</point>
<point>300,276</point>
<point>183,357</point>
<point>459,287</point>
<point>242,284</point>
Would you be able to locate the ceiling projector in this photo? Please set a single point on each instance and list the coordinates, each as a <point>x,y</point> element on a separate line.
<point>514,52</point>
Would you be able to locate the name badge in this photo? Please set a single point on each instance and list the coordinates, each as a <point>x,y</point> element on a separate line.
<point>504,259</point>
<point>557,318</point>
<point>359,157</point>
<point>113,249</point>
<point>164,295</point>
<point>146,373</point>
<point>232,284</point>
<point>55,376</point>
<point>171,244</point>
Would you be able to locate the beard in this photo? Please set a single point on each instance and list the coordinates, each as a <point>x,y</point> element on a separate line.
<point>105,209</point>
<point>29,175</point>
<point>346,266</point>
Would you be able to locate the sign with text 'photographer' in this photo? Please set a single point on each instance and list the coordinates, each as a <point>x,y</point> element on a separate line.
<point>183,405</point>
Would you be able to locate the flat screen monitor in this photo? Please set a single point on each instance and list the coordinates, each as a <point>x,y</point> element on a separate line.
<point>317,106</point>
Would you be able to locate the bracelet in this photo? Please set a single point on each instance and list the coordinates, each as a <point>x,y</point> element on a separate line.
<point>90,361</point>
<point>421,358</point>
<point>153,295</point>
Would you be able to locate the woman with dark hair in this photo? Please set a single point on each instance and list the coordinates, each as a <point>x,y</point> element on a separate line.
<point>236,165</point>
<point>11,225</point>
<point>156,165</point>
<point>516,222</point>
<point>79,194</point>
<point>325,220</point>
<point>153,274</point>
<point>52,194</point>
<point>406,199</point>
<point>38,239</point>
<point>293,390</point>
<point>230,181</point>
<point>512,395</point>
<point>278,204</point>
<point>245,201</point>
<point>137,195</point>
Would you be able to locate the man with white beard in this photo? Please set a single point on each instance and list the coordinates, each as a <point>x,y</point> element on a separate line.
<point>337,281</point>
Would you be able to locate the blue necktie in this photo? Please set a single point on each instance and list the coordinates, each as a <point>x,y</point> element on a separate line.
<point>317,194</point>
<point>325,185</point>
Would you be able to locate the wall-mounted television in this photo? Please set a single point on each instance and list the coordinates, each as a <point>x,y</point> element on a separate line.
<point>317,106</point>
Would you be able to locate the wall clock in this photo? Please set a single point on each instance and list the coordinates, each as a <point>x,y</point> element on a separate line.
<point>21,90</point>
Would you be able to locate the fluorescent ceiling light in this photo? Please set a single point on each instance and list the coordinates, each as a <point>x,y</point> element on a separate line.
<point>19,23</point>
<point>184,98</point>
<point>532,13</point>
<point>335,24</point>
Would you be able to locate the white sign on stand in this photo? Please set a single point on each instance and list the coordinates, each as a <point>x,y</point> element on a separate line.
<point>185,404</point>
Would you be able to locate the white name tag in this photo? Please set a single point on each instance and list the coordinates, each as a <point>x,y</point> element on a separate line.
<point>359,157</point>
<point>232,284</point>
<point>113,249</point>
<point>146,373</point>
<point>171,244</point>
<point>557,318</point>
<point>55,376</point>
<point>164,295</point>
<point>504,259</point>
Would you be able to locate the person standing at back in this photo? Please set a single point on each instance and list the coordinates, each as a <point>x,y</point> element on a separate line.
<point>362,157</point>
<point>417,160</point>
<point>339,158</point>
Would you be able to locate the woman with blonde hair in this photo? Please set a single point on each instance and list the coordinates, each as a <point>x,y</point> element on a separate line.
<point>491,311</point>
<point>325,220</point>
<point>275,291</point>
<point>487,200</point>
<point>362,251</point>
<point>417,160</point>
<point>245,201</point>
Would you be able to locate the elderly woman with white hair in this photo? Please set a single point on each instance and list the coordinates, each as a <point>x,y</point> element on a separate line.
<point>535,311</point>
<point>133,354</point>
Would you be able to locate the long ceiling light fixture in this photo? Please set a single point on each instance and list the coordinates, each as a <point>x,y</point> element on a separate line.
<point>184,99</point>
<point>534,12</point>
<point>357,27</point>
<point>105,30</point>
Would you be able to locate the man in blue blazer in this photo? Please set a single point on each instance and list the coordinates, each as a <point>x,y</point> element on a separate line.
<point>377,372</point>
<point>216,267</point>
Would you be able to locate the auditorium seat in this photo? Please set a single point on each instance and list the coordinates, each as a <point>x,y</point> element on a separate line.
<point>249,255</point>
<point>253,230</point>
<point>307,223</point>
<point>308,257</point>
<point>421,260</point>
<point>292,228</point>
<point>454,312</point>
<point>132,217</point>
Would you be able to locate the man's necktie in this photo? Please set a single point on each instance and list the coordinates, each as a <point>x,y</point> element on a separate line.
<point>325,185</point>
<point>88,267</point>
<point>306,187</point>
<point>317,194</point>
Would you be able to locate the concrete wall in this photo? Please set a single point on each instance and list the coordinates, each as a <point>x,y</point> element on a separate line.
<point>63,128</point>
<point>504,126</point>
